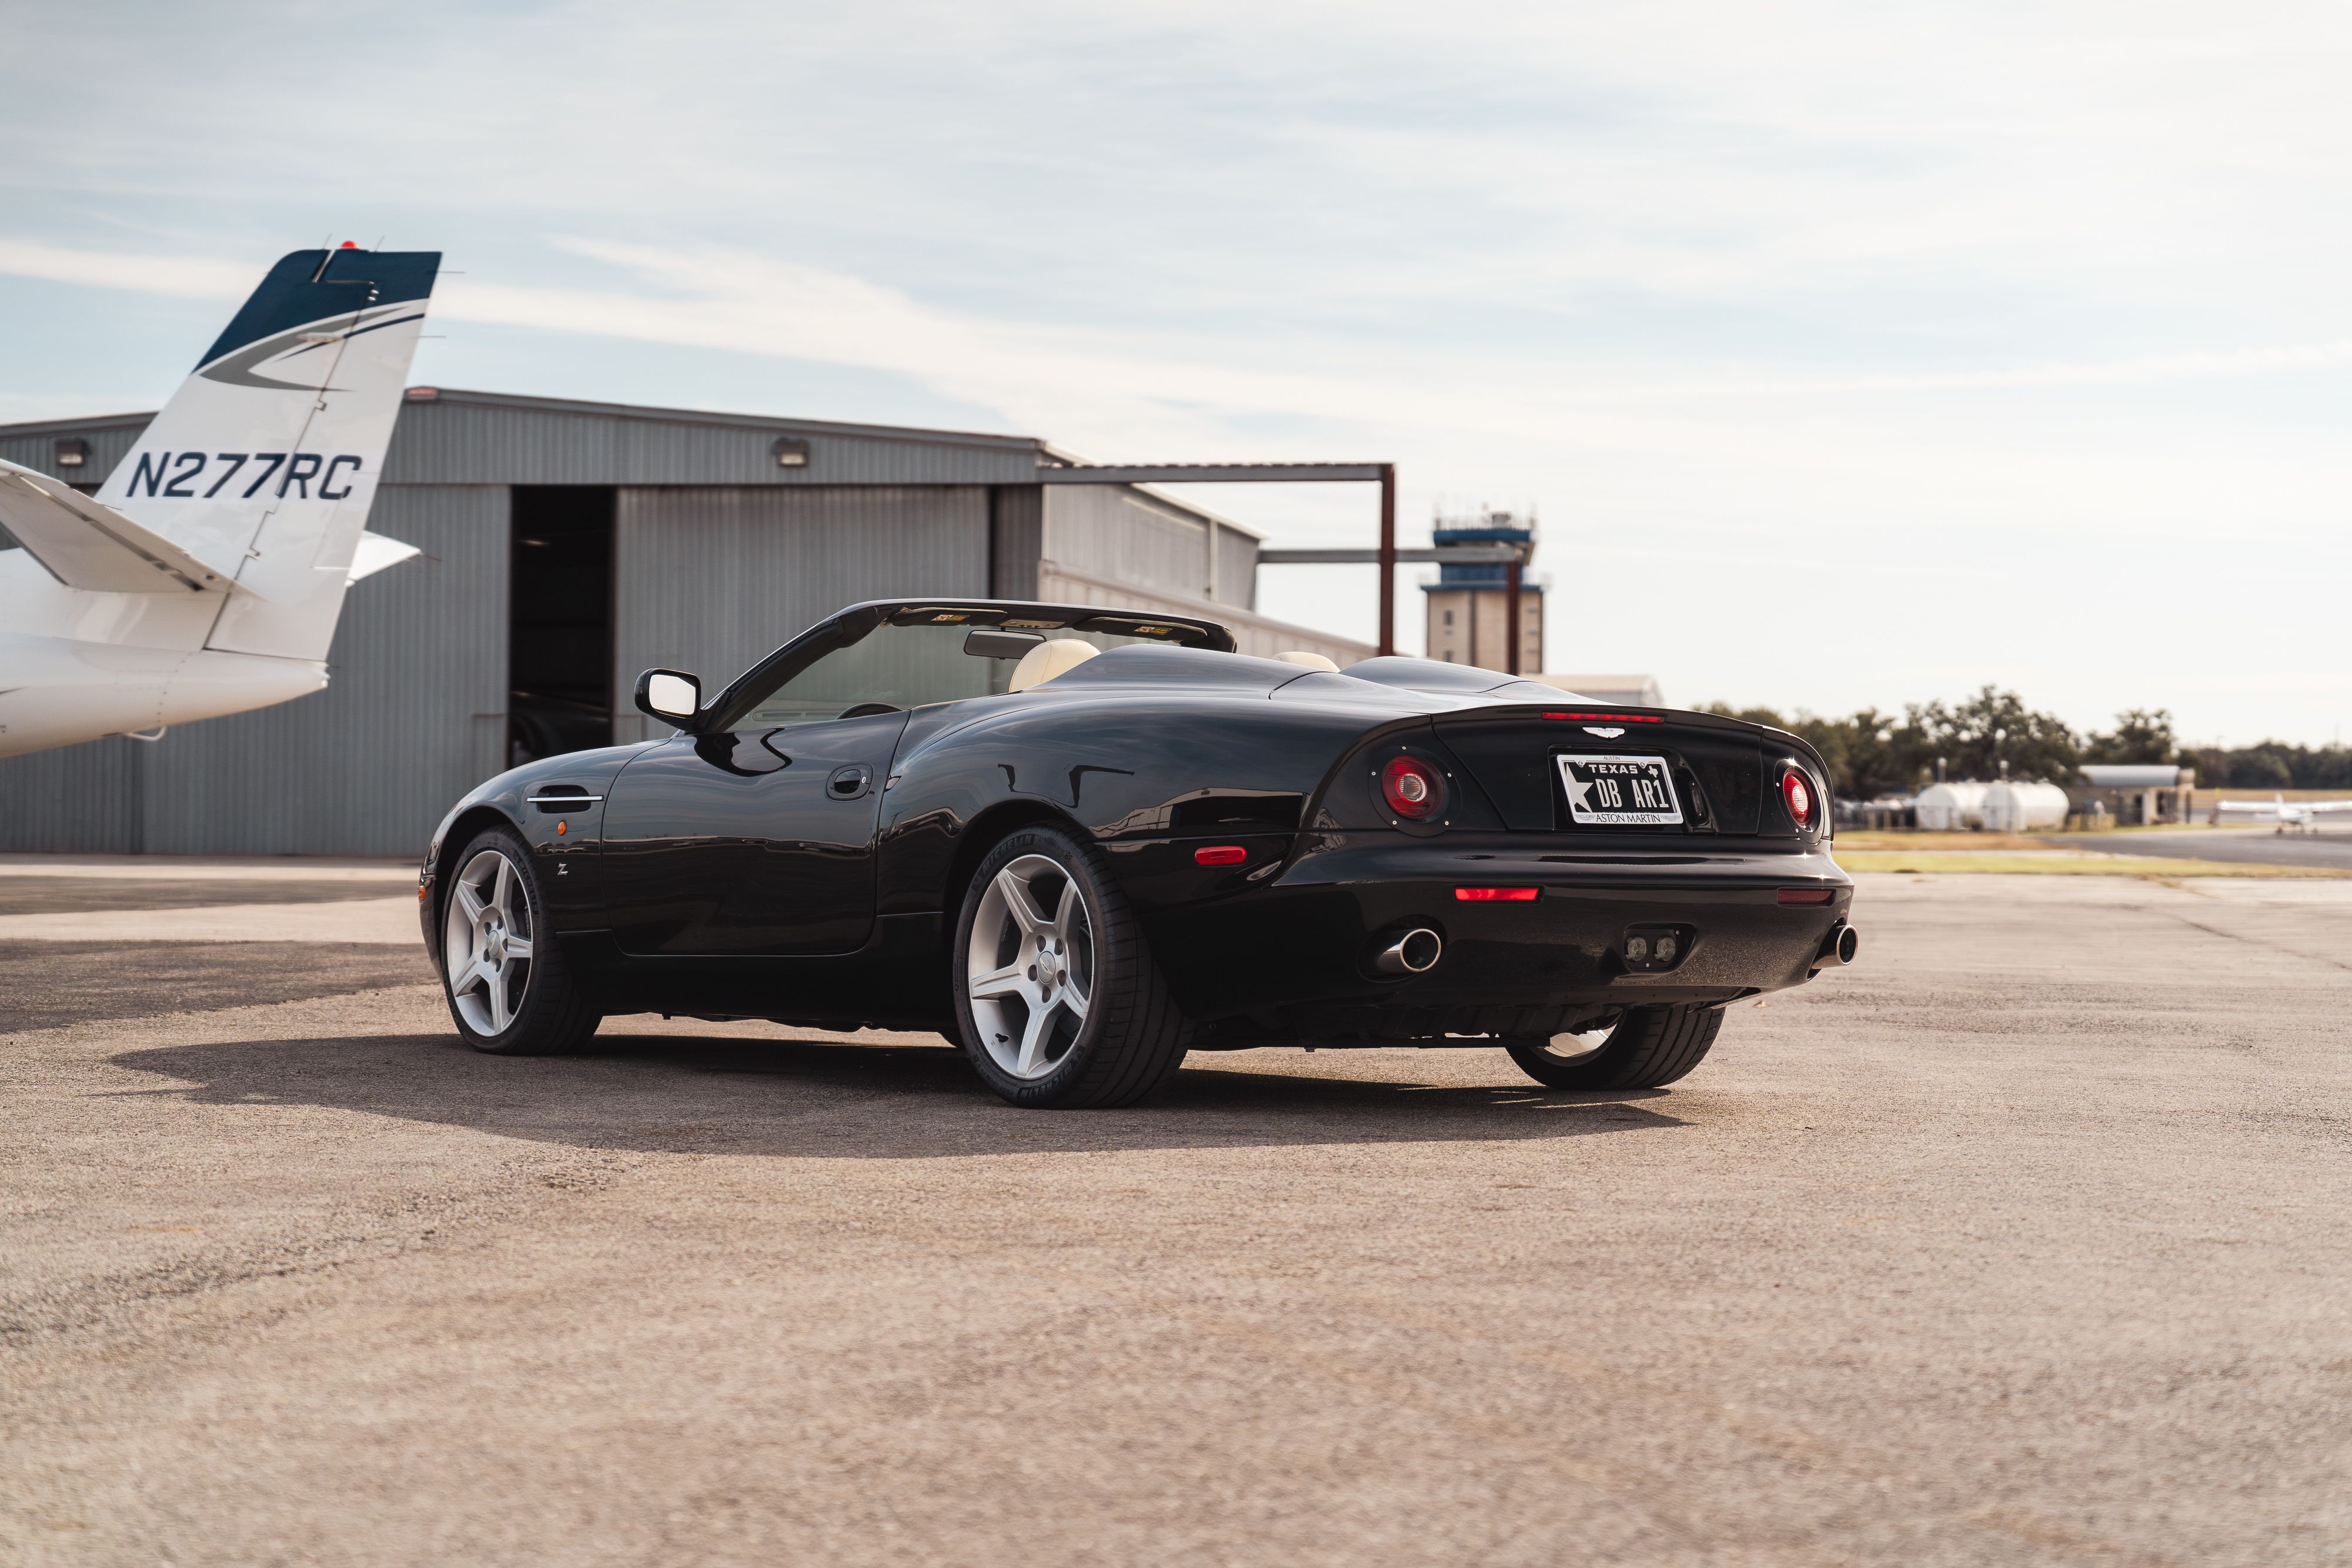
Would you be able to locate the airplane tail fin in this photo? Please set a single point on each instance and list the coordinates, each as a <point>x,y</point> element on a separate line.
<point>264,464</point>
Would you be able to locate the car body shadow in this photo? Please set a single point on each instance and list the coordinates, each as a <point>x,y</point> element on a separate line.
<point>836,1099</point>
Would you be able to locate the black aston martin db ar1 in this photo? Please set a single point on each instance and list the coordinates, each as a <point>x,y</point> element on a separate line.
<point>1081,842</point>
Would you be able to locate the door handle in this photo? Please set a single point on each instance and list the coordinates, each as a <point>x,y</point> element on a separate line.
<point>564,797</point>
<point>848,783</point>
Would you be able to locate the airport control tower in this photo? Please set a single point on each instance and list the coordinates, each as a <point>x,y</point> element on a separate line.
<point>1469,605</point>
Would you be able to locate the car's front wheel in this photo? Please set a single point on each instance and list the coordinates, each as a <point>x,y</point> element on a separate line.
<point>1648,1048</point>
<point>1057,996</point>
<point>508,989</point>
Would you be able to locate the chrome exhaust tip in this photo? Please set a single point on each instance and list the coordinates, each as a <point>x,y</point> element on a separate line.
<point>1415,953</point>
<point>1837,948</point>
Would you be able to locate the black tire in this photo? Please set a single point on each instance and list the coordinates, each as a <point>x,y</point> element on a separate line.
<point>544,1012</point>
<point>1131,1036</point>
<point>1649,1049</point>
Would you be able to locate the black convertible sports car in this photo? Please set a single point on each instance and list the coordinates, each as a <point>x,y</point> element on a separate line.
<point>1081,842</point>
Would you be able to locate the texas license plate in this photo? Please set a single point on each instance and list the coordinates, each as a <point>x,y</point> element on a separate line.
<point>1620,791</point>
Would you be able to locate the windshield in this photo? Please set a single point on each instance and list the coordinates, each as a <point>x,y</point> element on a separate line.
<point>898,666</point>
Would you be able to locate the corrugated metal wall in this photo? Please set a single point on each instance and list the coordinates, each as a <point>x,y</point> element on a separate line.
<point>1236,568</point>
<point>1253,633</point>
<point>1016,533</point>
<point>711,580</point>
<point>466,438</point>
<point>34,446</point>
<point>82,798</point>
<point>1104,530</point>
<point>1123,534</point>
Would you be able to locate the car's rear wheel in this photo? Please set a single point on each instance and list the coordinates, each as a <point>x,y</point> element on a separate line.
<point>508,989</point>
<point>1648,1048</point>
<point>1057,996</point>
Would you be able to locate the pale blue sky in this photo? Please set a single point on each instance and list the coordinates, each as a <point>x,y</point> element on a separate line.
<point>1854,353</point>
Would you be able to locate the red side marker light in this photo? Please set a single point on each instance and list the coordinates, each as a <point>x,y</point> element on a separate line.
<point>1807,894</point>
<point>1498,894</point>
<point>1220,854</point>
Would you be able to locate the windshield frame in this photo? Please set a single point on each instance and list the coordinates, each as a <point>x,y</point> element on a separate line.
<point>852,625</point>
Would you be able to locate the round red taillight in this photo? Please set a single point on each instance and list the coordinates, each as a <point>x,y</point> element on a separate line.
<point>1798,791</point>
<point>1413,789</point>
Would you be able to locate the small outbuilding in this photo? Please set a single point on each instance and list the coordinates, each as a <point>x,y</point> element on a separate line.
<point>2136,794</point>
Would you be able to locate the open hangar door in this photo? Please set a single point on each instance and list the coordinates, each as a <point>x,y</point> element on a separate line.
<point>560,621</point>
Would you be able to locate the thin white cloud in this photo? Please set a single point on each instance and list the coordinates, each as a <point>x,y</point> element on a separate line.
<point>185,278</point>
<point>745,303</point>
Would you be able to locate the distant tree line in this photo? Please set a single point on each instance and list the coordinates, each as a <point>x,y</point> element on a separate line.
<point>2272,765</point>
<point>1994,735</point>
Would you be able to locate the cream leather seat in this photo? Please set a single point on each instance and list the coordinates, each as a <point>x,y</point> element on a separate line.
<point>1311,661</point>
<point>1043,663</point>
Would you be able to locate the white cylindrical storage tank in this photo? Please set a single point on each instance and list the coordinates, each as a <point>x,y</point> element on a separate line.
<point>2015,808</point>
<point>1951,807</point>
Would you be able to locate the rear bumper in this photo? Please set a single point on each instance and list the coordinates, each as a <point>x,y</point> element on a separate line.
<point>1310,934</point>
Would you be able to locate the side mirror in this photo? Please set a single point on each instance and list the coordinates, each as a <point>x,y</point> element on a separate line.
<point>670,696</point>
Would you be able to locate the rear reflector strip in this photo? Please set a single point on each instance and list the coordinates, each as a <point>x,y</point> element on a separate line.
<point>1221,854</point>
<point>1807,894</point>
<point>1610,717</point>
<point>1498,894</point>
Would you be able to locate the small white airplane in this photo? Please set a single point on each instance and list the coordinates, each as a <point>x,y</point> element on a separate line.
<point>2303,816</point>
<point>206,575</point>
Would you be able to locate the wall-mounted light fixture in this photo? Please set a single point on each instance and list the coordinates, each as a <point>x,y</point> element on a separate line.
<point>71,452</point>
<point>791,451</point>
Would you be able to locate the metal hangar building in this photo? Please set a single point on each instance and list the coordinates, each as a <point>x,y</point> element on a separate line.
<point>570,545</point>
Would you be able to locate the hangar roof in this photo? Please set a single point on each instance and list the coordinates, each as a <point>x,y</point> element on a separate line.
<point>2132,774</point>
<point>448,435</point>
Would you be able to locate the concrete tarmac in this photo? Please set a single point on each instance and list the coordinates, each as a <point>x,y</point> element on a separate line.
<point>2022,1241</point>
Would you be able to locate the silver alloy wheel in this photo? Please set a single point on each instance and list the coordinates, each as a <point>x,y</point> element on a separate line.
<point>1030,975</point>
<point>486,942</point>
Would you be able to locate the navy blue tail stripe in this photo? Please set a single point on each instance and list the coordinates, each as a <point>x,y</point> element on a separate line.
<point>300,289</point>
